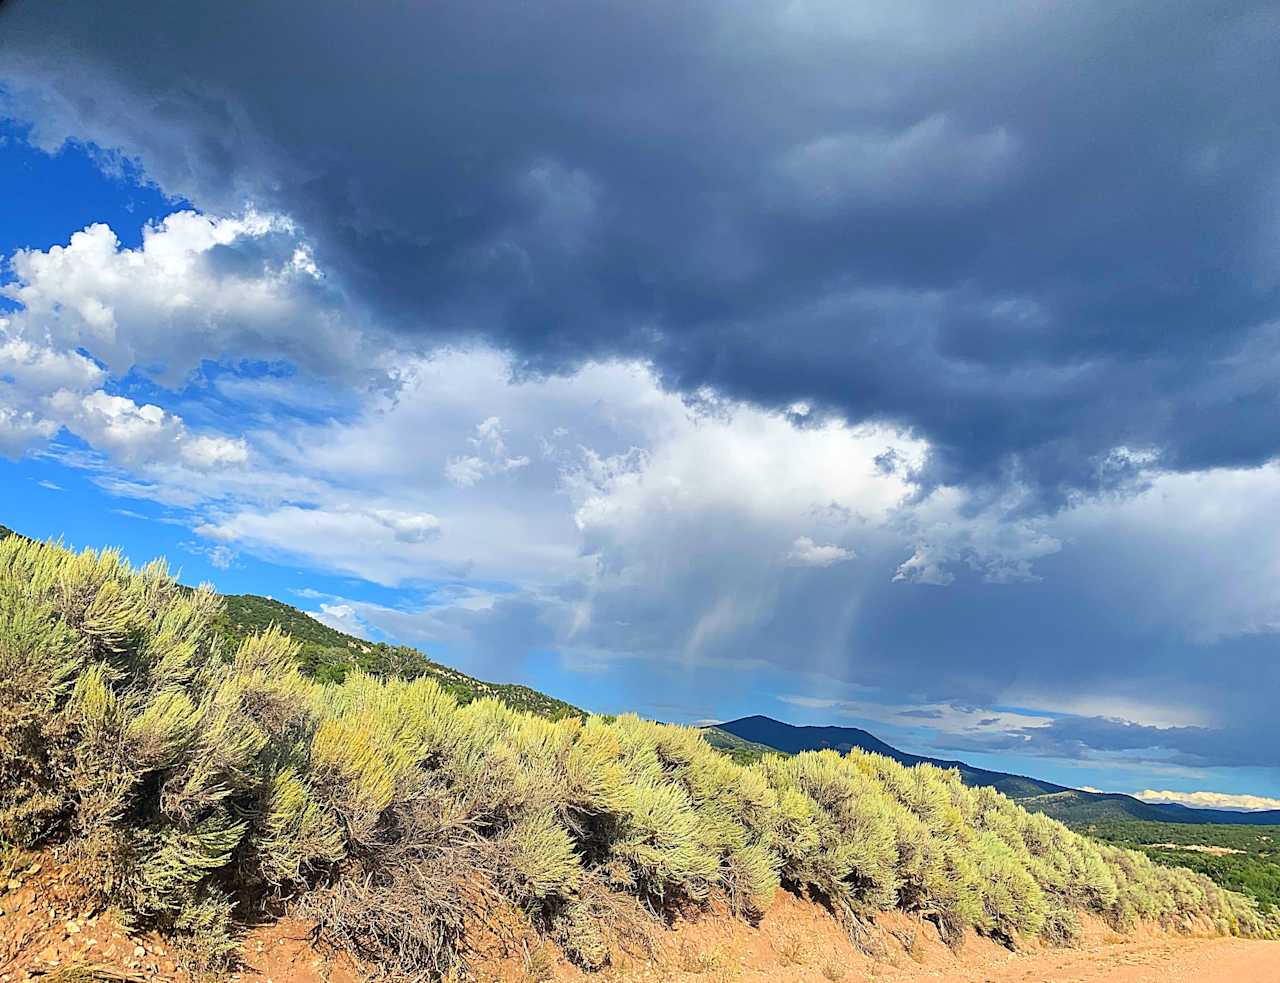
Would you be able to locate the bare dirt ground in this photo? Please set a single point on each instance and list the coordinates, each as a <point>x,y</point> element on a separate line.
<point>1214,851</point>
<point>46,934</point>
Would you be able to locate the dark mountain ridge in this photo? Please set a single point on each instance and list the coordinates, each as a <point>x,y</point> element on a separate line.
<point>1067,804</point>
<point>792,739</point>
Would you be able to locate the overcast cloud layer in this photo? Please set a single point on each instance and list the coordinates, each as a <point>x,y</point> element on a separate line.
<point>920,350</point>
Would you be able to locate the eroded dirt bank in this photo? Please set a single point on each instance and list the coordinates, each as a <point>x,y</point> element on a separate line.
<point>45,933</point>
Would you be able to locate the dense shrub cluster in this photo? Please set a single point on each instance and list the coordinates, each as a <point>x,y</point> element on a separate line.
<point>187,779</point>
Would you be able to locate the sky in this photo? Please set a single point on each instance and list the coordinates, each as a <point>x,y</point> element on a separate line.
<point>907,365</point>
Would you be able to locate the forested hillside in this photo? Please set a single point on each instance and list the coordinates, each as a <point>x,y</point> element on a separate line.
<point>742,751</point>
<point>1243,858</point>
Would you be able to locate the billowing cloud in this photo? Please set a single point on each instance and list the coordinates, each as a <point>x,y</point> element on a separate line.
<point>343,617</point>
<point>995,538</point>
<point>898,214</point>
<point>132,434</point>
<point>92,313</point>
<point>44,390</point>
<point>198,288</point>
<point>1210,800</point>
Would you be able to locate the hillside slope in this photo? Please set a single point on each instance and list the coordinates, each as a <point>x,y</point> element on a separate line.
<point>740,750</point>
<point>1242,858</point>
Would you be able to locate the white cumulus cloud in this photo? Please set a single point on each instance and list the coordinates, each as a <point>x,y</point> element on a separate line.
<point>1210,800</point>
<point>199,287</point>
<point>806,553</point>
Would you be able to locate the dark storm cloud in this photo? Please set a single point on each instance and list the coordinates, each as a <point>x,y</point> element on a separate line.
<point>1073,736</point>
<point>1085,737</point>
<point>1032,232</point>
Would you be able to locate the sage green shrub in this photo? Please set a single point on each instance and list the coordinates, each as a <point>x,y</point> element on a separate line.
<point>180,773</point>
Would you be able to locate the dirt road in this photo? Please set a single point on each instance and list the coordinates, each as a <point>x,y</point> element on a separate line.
<point>1146,961</point>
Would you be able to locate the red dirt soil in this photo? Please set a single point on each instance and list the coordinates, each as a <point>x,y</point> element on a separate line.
<point>44,931</point>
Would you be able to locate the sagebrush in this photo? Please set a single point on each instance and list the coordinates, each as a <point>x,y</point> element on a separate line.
<point>191,782</point>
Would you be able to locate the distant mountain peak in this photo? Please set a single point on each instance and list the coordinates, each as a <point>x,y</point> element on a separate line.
<point>793,739</point>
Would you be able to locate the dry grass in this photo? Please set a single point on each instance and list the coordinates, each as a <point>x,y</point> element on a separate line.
<point>909,939</point>
<point>792,949</point>
<point>86,972</point>
<point>537,963</point>
<point>700,959</point>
